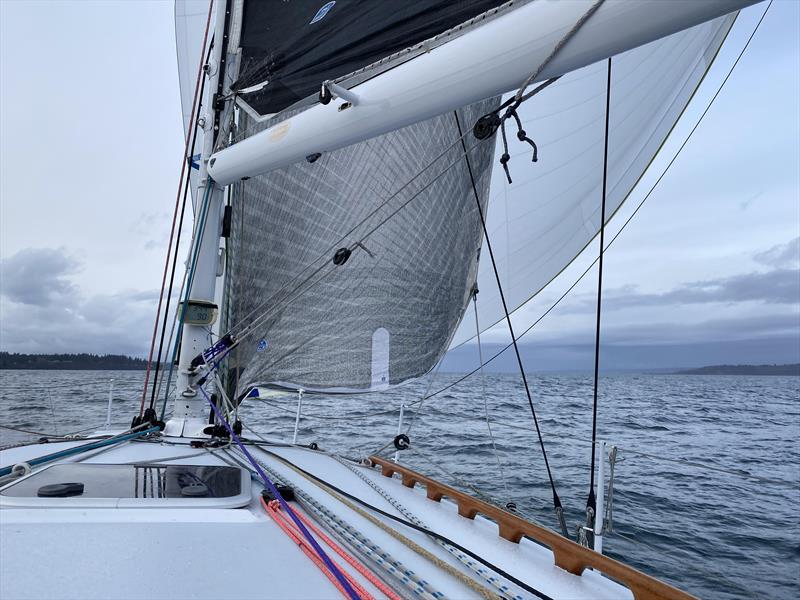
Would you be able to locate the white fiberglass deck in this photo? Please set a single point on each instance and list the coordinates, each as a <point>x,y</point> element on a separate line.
<point>208,552</point>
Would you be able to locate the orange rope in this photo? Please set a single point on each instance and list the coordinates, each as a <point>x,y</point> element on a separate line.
<point>368,575</point>
<point>273,509</point>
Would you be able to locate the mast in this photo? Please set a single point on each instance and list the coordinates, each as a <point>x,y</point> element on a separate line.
<point>492,59</point>
<point>189,417</point>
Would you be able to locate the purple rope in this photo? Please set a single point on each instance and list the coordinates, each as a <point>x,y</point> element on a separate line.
<point>271,487</point>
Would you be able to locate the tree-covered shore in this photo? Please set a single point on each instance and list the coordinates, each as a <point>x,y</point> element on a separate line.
<point>85,362</point>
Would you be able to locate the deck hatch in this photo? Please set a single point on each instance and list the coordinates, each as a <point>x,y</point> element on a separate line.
<point>136,484</point>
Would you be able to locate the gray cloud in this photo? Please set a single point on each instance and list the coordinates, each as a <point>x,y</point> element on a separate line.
<point>38,276</point>
<point>781,256</point>
<point>42,311</point>
<point>780,286</point>
<point>729,330</point>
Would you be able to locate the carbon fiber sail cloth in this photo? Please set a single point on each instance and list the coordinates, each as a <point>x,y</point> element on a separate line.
<point>404,206</point>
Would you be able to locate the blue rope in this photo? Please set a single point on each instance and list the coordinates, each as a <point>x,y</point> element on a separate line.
<point>187,291</point>
<point>78,449</point>
<point>284,505</point>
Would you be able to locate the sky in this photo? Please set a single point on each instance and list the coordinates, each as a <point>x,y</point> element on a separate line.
<point>90,151</point>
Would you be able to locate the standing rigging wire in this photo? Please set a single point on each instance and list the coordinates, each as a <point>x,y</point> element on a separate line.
<point>591,501</point>
<point>197,239</point>
<point>187,159</point>
<point>559,510</point>
<point>172,230</point>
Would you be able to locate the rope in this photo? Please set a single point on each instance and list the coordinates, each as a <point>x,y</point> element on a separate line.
<point>194,252</point>
<point>366,573</point>
<point>438,562</point>
<point>556,500</point>
<point>383,559</point>
<point>285,525</point>
<point>627,221</point>
<point>463,558</point>
<point>519,98</point>
<point>189,139</point>
<point>187,158</point>
<point>397,519</point>
<point>124,436</point>
<point>271,486</point>
<point>485,400</point>
<point>591,502</point>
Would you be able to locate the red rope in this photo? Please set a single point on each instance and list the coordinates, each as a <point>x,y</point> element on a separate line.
<point>273,509</point>
<point>368,575</point>
<point>185,160</point>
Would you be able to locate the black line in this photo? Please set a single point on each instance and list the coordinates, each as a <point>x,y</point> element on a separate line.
<point>424,530</point>
<point>591,502</point>
<point>556,499</point>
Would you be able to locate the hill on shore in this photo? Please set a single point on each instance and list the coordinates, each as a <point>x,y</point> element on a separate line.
<point>82,362</point>
<point>791,369</point>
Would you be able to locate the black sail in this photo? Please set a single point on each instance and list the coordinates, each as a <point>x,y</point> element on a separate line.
<point>295,46</point>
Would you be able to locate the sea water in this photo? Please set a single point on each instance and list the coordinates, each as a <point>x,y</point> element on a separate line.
<point>707,474</point>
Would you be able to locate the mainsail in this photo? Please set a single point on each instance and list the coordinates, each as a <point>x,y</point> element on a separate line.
<point>352,270</point>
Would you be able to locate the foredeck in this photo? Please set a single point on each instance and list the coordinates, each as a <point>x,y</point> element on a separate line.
<point>175,552</point>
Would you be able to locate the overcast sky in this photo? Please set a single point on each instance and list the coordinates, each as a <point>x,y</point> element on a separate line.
<point>91,140</point>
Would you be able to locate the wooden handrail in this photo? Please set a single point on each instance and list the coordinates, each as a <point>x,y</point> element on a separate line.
<point>568,555</point>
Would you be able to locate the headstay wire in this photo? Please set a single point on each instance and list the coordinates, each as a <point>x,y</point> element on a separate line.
<point>627,221</point>
<point>187,183</point>
<point>190,140</point>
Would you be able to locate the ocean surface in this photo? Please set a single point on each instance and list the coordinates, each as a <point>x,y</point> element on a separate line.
<point>707,476</point>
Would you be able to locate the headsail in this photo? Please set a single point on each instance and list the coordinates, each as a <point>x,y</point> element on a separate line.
<point>552,210</point>
<point>399,214</point>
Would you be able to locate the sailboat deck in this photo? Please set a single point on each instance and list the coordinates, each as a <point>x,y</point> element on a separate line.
<point>175,552</point>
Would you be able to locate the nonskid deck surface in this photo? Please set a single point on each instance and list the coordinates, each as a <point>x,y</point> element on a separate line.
<point>176,552</point>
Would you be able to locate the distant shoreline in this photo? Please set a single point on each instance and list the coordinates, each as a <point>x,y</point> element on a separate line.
<point>119,362</point>
<point>790,369</point>
<point>71,362</point>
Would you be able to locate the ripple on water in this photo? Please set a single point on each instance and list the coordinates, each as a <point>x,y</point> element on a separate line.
<point>716,534</point>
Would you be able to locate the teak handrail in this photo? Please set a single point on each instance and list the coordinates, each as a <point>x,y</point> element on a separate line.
<point>568,555</point>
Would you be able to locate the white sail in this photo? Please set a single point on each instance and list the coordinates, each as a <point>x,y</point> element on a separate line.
<point>551,211</point>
